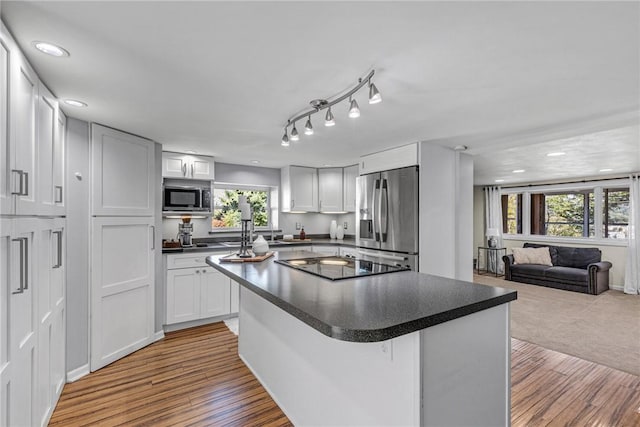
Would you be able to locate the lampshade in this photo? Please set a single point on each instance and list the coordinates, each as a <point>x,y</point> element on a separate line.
<point>492,232</point>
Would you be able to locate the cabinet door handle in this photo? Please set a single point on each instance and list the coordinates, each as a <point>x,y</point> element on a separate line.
<point>26,183</point>
<point>22,287</point>
<point>191,170</point>
<point>320,204</point>
<point>59,248</point>
<point>59,193</point>
<point>184,169</point>
<point>293,203</point>
<point>20,190</point>
<point>197,271</point>
<point>153,237</point>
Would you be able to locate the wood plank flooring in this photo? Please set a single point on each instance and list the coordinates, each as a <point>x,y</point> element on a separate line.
<point>195,377</point>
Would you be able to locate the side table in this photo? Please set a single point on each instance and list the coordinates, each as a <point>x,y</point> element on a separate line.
<point>492,257</point>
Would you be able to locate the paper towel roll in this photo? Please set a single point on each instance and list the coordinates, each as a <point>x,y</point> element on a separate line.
<point>245,211</point>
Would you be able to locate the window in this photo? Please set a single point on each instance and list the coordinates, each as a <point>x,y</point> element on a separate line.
<point>615,216</point>
<point>512,213</point>
<point>226,214</point>
<point>567,214</point>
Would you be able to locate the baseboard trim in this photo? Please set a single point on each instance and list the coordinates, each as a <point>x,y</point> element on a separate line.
<point>158,336</point>
<point>617,288</point>
<point>199,322</point>
<point>78,373</point>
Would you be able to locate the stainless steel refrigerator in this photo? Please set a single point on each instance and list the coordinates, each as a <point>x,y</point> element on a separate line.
<point>387,216</point>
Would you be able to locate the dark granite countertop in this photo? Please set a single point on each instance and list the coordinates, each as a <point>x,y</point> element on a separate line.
<point>365,309</point>
<point>216,246</point>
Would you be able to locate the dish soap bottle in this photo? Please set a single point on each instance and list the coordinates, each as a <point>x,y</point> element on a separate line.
<point>303,235</point>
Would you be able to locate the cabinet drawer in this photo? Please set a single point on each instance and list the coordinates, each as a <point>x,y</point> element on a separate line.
<point>190,260</point>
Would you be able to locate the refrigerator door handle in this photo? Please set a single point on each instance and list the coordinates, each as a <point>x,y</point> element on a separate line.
<point>376,211</point>
<point>384,220</point>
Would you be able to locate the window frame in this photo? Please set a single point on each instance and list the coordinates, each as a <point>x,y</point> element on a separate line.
<point>271,221</point>
<point>597,187</point>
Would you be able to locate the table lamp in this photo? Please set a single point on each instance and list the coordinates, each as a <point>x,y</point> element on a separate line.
<point>492,233</point>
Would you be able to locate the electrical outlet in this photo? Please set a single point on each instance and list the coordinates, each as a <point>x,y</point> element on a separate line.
<point>298,226</point>
<point>346,225</point>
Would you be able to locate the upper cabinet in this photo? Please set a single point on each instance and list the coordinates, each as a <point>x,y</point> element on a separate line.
<point>394,158</point>
<point>178,165</point>
<point>123,173</point>
<point>349,188</point>
<point>299,189</point>
<point>330,190</point>
<point>31,139</point>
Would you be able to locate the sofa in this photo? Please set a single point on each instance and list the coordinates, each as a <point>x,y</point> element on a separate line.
<point>572,269</point>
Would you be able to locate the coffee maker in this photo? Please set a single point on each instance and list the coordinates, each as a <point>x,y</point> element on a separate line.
<point>185,229</point>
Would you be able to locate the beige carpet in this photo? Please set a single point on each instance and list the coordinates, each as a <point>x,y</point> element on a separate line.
<point>601,328</point>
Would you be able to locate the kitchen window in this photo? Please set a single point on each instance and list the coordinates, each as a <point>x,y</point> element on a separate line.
<point>226,215</point>
<point>566,214</point>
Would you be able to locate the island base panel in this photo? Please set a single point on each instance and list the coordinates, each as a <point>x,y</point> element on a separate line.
<point>317,380</point>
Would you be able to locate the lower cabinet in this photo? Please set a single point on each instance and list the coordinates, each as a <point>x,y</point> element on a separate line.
<point>32,319</point>
<point>327,250</point>
<point>197,291</point>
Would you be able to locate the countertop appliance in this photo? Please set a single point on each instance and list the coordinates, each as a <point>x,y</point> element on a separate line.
<point>186,198</point>
<point>336,268</point>
<point>387,223</point>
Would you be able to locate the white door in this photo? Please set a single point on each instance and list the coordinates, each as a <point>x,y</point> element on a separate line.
<point>6,155</point>
<point>58,303</point>
<point>122,287</point>
<point>174,165</point>
<point>183,295</point>
<point>202,168</point>
<point>46,126</point>
<point>123,178</point>
<point>330,189</point>
<point>24,100</point>
<point>215,293</point>
<point>18,321</point>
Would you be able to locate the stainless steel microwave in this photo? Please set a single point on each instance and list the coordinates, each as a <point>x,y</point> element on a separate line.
<point>186,199</point>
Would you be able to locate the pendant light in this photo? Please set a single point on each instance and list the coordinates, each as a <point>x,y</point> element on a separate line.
<point>294,133</point>
<point>308,128</point>
<point>374,95</point>
<point>329,120</point>
<point>354,109</point>
<point>285,138</point>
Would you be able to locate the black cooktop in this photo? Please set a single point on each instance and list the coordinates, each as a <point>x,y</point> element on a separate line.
<point>336,268</point>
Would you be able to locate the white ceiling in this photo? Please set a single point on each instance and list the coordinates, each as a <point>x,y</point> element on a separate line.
<point>511,80</point>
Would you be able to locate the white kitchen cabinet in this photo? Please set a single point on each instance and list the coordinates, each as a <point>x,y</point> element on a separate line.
<point>349,252</point>
<point>6,154</point>
<point>349,188</point>
<point>299,189</point>
<point>330,190</point>
<point>178,165</point>
<point>47,123</point>
<point>59,165</point>
<point>326,250</point>
<point>123,177</point>
<point>394,158</point>
<point>18,331</point>
<point>195,290</point>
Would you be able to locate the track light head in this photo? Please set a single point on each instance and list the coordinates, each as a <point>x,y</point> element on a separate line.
<point>308,128</point>
<point>329,120</point>
<point>294,133</point>
<point>285,139</point>
<point>374,95</point>
<point>354,109</point>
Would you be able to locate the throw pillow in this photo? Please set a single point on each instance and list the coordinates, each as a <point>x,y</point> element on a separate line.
<point>532,256</point>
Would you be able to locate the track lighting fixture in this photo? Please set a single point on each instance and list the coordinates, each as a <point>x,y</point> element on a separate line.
<point>308,129</point>
<point>322,104</point>
<point>329,120</point>
<point>294,133</point>
<point>354,109</point>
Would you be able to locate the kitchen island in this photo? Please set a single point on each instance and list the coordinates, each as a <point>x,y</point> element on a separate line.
<point>401,348</point>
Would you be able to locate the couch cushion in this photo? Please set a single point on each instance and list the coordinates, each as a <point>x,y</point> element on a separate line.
<point>532,270</point>
<point>577,257</point>
<point>539,256</point>
<point>553,250</point>
<point>567,274</point>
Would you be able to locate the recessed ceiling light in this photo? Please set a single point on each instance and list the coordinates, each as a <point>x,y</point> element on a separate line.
<point>190,152</point>
<point>255,162</point>
<point>518,171</point>
<point>606,170</point>
<point>50,49</point>
<point>499,180</point>
<point>557,153</point>
<point>326,165</point>
<point>75,103</point>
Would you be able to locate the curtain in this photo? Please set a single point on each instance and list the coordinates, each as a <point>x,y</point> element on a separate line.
<point>632,270</point>
<point>493,216</point>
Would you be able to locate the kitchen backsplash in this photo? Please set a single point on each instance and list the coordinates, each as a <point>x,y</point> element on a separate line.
<point>313,224</point>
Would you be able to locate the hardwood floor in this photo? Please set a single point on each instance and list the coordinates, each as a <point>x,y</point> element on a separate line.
<point>195,377</point>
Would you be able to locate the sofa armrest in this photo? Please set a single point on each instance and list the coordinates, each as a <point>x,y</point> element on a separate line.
<point>598,277</point>
<point>508,261</point>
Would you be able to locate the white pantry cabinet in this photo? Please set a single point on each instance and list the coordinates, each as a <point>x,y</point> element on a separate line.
<point>123,178</point>
<point>6,160</point>
<point>349,188</point>
<point>196,290</point>
<point>330,190</point>
<point>299,189</point>
<point>178,165</point>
